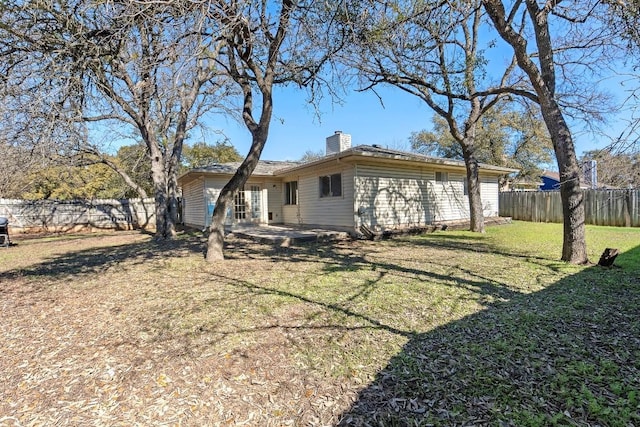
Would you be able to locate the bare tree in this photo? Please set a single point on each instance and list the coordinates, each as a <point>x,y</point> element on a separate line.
<point>26,132</point>
<point>266,44</point>
<point>15,163</point>
<point>507,136</point>
<point>578,45</point>
<point>145,65</point>
<point>434,51</point>
<point>615,169</point>
<point>624,17</point>
<point>310,155</point>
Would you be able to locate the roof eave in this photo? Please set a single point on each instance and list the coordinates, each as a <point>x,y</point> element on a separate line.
<point>206,171</point>
<point>388,156</point>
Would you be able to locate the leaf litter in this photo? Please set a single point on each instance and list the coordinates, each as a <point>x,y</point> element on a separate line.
<point>107,330</point>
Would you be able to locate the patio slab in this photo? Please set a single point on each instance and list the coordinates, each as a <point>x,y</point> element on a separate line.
<point>287,236</point>
<point>283,235</point>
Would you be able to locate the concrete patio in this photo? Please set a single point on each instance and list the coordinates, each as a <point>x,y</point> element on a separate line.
<point>282,235</point>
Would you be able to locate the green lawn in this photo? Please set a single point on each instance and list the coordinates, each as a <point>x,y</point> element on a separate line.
<point>450,328</point>
<point>562,349</point>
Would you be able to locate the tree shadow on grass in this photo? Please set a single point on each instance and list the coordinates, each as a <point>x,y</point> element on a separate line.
<point>99,259</point>
<point>567,355</point>
<point>341,257</point>
<point>479,244</point>
<point>345,262</point>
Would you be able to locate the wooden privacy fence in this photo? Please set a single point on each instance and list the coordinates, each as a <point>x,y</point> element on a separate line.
<point>50,215</point>
<point>619,208</point>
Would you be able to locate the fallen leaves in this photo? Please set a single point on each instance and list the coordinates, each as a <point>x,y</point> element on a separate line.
<point>110,332</point>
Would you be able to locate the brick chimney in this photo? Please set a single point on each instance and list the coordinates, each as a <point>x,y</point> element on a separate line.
<point>338,142</point>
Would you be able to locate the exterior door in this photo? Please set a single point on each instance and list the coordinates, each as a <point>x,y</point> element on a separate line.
<point>256,203</point>
<point>247,206</point>
<point>240,206</point>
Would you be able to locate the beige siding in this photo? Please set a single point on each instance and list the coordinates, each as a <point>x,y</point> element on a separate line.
<point>451,202</point>
<point>389,197</point>
<point>269,199</point>
<point>381,196</point>
<point>193,203</point>
<point>275,200</point>
<point>291,214</point>
<point>454,205</point>
<point>213,185</point>
<point>315,210</point>
<point>489,193</point>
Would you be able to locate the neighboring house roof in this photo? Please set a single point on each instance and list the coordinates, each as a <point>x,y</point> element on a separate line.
<point>525,183</point>
<point>555,176</point>
<point>276,168</point>
<point>551,175</point>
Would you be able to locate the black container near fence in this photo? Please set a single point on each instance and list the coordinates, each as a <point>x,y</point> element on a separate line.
<point>4,232</point>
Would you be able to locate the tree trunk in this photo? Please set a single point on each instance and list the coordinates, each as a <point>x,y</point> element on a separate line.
<point>215,242</point>
<point>476,215</point>
<point>172,208</point>
<point>241,56</point>
<point>172,190</point>
<point>542,77</point>
<point>161,196</point>
<point>574,247</point>
<point>467,141</point>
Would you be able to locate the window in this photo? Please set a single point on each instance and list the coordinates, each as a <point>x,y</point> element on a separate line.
<point>240,208</point>
<point>465,187</point>
<point>331,185</point>
<point>442,177</point>
<point>256,202</point>
<point>291,193</point>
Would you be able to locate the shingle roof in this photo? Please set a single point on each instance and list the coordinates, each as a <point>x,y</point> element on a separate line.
<point>377,151</point>
<point>264,167</point>
<point>273,167</point>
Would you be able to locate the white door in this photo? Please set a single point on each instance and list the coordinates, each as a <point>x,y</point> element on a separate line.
<point>255,205</point>
<point>247,205</point>
<point>240,206</point>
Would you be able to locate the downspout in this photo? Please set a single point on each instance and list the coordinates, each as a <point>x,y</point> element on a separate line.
<point>356,212</point>
<point>205,199</point>
<point>298,213</point>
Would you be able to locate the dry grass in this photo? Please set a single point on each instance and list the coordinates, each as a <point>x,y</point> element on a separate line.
<point>109,329</point>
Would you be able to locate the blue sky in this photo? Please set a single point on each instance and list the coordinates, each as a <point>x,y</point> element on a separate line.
<point>296,129</point>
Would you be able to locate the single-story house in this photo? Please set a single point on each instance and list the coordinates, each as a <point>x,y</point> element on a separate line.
<point>523,184</point>
<point>379,188</point>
